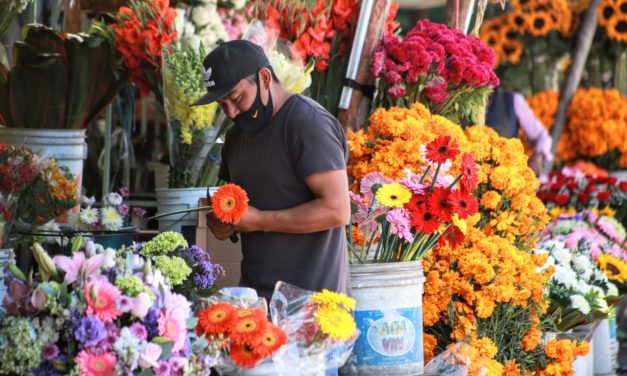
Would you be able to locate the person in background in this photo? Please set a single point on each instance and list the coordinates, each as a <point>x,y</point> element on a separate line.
<point>289,154</point>
<point>507,113</point>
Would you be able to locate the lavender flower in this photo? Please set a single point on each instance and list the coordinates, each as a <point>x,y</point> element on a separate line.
<point>139,212</point>
<point>139,331</point>
<point>44,368</point>
<point>124,303</point>
<point>71,325</point>
<point>124,209</point>
<point>124,192</point>
<point>111,274</point>
<point>151,324</point>
<point>50,351</point>
<point>163,369</point>
<point>91,331</point>
<point>203,271</point>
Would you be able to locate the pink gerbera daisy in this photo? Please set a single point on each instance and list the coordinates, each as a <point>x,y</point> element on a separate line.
<point>96,365</point>
<point>101,300</point>
<point>370,183</point>
<point>172,327</point>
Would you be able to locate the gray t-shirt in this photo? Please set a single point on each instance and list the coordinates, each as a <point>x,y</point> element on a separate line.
<point>301,139</point>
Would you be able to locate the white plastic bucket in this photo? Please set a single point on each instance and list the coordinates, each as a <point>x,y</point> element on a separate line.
<point>173,199</point>
<point>603,362</point>
<point>389,316</point>
<point>67,146</point>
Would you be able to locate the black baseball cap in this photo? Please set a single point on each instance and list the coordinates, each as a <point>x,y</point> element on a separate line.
<point>226,65</point>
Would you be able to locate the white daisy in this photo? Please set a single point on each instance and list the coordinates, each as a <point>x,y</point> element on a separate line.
<point>113,198</point>
<point>565,276</point>
<point>89,216</point>
<point>580,303</point>
<point>111,219</point>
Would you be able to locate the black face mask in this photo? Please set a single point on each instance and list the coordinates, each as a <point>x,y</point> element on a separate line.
<point>258,115</point>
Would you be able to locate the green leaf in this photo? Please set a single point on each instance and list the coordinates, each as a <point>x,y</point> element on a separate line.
<point>145,372</point>
<point>166,346</point>
<point>191,322</point>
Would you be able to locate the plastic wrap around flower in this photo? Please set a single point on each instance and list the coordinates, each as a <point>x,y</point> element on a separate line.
<point>309,333</point>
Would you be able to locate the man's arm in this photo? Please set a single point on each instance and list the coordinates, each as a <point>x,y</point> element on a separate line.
<point>329,209</point>
<point>535,131</point>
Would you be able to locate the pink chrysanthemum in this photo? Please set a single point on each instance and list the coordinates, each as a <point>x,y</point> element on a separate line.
<point>101,300</point>
<point>96,365</point>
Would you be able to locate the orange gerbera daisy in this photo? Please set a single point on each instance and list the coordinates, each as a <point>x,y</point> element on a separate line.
<point>229,203</point>
<point>269,340</point>
<point>246,312</point>
<point>247,329</point>
<point>216,319</point>
<point>244,356</point>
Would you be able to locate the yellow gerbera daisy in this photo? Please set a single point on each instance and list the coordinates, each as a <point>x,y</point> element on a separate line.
<point>335,322</point>
<point>393,195</point>
<point>333,299</point>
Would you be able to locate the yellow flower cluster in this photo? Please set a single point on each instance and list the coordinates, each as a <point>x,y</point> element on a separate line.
<point>596,123</point>
<point>333,314</point>
<point>530,17</point>
<point>614,268</point>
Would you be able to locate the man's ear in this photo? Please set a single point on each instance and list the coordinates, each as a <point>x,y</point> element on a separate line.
<point>265,76</point>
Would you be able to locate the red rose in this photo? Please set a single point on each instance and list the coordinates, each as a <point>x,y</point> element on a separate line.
<point>583,197</point>
<point>603,196</point>
<point>562,199</point>
<point>623,186</point>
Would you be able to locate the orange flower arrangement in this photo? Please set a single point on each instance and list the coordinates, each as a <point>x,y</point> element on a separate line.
<point>229,203</point>
<point>561,354</point>
<point>247,333</point>
<point>596,124</point>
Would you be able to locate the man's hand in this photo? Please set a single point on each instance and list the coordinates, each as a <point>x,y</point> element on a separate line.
<point>536,163</point>
<point>220,230</point>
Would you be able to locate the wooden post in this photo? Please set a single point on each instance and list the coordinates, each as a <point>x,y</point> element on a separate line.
<point>571,82</point>
<point>356,116</point>
<point>464,14</point>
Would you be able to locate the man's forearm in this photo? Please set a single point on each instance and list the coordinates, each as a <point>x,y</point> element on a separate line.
<point>310,217</point>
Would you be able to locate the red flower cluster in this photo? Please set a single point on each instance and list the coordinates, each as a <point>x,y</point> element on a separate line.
<point>582,191</point>
<point>141,30</point>
<point>435,56</point>
<point>248,334</point>
<point>18,168</point>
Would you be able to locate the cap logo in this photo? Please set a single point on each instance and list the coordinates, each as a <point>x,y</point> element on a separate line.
<point>207,77</point>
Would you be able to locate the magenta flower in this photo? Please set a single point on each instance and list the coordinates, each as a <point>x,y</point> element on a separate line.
<point>401,224</point>
<point>77,266</point>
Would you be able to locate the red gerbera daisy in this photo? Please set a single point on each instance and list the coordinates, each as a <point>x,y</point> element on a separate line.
<point>269,340</point>
<point>470,179</point>
<point>229,203</point>
<point>453,236</point>
<point>247,329</point>
<point>216,319</point>
<point>243,355</point>
<point>463,203</point>
<point>439,203</point>
<point>424,220</point>
<point>416,201</point>
<point>442,149</point>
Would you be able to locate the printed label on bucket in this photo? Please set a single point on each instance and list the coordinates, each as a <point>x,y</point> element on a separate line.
<point>389,337</point>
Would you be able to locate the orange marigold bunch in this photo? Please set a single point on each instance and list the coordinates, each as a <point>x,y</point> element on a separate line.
<point>561,354</point>
<point>596,123</point>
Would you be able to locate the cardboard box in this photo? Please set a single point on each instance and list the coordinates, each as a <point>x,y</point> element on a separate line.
<point>223,252</point>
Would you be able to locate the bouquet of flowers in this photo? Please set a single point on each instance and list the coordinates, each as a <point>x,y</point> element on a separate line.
<point>92,313</point>
<point>141,31</point>
<point>448,71</point>
<point>113,215</point>
<point>10,9</point>
<point>401,220</point>
<point>309,332</point>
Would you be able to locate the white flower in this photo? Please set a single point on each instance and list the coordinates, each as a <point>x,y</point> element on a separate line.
<point>109,258</point>
<point>193,41</point>
<point>583,266</point>
<point>561,255</point>
<point>580,303</point>
<point>601,305</point>
<point>88,216</point>
<point>202,15</point>
<point>111,219</point>
<point>238,4</point>
<point>90,248</point>
<point>113,198</point>
<point>179,21</point>
<point>612,290</point>
<point>583,287</point>
<point>565,276</point>
<point>51,227</point>
<point>189,29</point>
<point>88,201</point>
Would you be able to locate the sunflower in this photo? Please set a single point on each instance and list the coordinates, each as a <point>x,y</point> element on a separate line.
<point>540,24</point>
<point>607,11</point>
<point>335,322</point>
<point>621,7</point>
<point>244,356</point>
<point>229,203</point>
<point>269,340</point>
<point>393,195</point>
<point>216,319</point>
<point>333,299</point>
<point>512,51</point>
<point>246,330</point>
<point>617,29</point>
<point>517,20</point>
<point>614,269</point>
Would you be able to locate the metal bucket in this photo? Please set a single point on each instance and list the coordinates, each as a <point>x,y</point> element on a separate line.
<point>172,199</point>
<point>389,317</point>
<point>67,146</point>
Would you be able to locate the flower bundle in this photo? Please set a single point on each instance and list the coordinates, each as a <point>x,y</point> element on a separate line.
<point>10,9</point>
<point>247,333</point>
<point>98,312</point>
<point>569,190</point>
<point>113,214</point>
<point>447,70</point>
<point>141,31</point>
<point>596,124</point>
<point>409,216</point>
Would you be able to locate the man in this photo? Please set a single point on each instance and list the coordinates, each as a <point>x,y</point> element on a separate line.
<point>507,111</point>
<point>289,154</point>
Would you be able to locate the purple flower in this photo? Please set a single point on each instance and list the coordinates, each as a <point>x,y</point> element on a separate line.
<point>91,331</point>
<point>71,325</point>
<point>139,331</point>
<point>44,368</point>
<point>123,210</point>
<point>203,270</point>
<point>50,351</point>
<point>124,303</point>
<point>163,369</point>
<point>151,324</point>
<point>111,274</point>
<point>124,192</point>
<point>106,345</point>
<point>139,212</point>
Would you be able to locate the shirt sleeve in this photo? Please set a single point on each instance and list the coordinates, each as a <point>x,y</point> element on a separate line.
<point>318,142</point>
<point>533,128</point>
